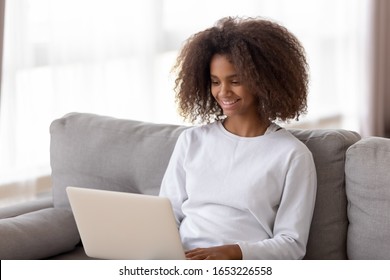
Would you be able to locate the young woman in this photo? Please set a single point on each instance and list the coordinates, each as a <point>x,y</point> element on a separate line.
<point>241,186</point>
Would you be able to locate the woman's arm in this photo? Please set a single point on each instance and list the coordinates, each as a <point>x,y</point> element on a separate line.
<point>173,183</point>
<point>293,218</point>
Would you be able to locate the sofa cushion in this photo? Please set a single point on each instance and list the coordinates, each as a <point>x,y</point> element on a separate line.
<point>368,190</point>
<point>101,152</point>
<point>328,232</point>
<point>38,234</point>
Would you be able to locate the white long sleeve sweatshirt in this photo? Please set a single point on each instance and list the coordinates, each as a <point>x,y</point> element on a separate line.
<point>257,192</point>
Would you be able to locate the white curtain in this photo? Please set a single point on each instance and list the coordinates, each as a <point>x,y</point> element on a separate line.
<point>2,8</point>
<point>376,113</point>
<point>74,55</point>
<point>113,57</point>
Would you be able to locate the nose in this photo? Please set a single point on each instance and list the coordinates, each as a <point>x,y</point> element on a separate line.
<point>225,89</point>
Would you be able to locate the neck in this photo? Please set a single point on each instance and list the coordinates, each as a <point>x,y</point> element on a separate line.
<point>246,128</point>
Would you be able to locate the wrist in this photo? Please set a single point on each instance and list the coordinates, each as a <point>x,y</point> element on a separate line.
<point>235,252</point>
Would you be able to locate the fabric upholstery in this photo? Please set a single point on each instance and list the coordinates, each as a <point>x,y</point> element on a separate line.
<point>26,207</point>
<point>38,234</point>
<point>106,153</point>
<point>368,189</point>
<point>328,231</point>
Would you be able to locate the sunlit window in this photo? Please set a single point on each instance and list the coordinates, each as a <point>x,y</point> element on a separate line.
<point>113,57</point>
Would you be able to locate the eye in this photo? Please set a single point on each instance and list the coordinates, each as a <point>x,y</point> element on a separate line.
<point>214,83</point>
<point>235,82</point>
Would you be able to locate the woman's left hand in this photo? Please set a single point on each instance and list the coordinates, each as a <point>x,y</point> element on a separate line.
<point>224,252</point>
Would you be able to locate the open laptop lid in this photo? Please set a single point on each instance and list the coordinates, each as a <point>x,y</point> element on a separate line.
<point>118,225</point>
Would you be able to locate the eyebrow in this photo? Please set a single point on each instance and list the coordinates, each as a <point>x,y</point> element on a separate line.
<point>227,77</point>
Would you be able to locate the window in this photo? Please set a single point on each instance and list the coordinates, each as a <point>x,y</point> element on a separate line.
<point>113,57</point>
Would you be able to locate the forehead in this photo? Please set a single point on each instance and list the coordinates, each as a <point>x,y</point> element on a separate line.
<point>221,66</point>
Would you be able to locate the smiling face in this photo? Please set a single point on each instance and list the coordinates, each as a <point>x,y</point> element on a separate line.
<point>228,91</point>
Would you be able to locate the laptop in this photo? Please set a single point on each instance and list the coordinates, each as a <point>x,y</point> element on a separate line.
<point>118,225</point>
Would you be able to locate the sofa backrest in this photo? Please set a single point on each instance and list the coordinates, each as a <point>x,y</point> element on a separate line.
<point>101,152</point>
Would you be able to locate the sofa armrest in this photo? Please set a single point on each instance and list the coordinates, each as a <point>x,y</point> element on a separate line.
<point>26,207</point>
<point>39,234</point>
<point>368,191</point>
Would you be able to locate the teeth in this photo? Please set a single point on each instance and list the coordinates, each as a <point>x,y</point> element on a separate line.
<point>229,102</point>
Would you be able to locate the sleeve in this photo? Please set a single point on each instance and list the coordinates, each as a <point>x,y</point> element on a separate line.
<point>293,217</point>
<point>173,183</point>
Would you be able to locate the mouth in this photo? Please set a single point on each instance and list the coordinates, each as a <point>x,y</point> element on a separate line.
<point>229,102</point>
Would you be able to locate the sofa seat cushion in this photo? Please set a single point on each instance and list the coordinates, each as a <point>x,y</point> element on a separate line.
<point>39,234</point>
<point>368,190</point>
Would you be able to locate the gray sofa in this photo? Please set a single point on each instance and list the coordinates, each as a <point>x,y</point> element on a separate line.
<point>351,218</point>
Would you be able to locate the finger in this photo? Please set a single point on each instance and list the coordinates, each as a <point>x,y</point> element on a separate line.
<point>195,250</point>
<point>199,255</point>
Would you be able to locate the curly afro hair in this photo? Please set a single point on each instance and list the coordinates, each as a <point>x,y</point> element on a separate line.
<point>269,60</point>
